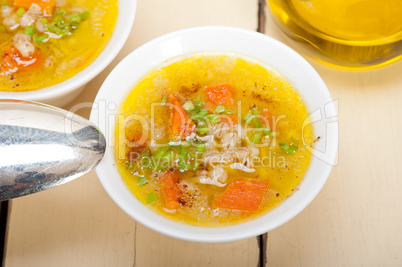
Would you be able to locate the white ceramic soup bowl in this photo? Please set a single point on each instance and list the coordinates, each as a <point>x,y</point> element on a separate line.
<point>64,92</point>
<point>224,39</point>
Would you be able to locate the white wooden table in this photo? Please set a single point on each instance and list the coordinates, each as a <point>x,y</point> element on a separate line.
<point>356,220</point>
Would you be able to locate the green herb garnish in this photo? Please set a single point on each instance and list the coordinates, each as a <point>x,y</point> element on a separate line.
<point>20,11</point>
<point>142,181</point>
<point>256,137</point>
<point>85,15</point>
<point>151,197</point>
<point>29,30</point>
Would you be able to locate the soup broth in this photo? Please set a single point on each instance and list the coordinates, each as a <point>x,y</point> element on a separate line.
<point>213,139</point>
<point>45,42</point>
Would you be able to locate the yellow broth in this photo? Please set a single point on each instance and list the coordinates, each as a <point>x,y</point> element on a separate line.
<point>64,57</point>
<point>253,84</point>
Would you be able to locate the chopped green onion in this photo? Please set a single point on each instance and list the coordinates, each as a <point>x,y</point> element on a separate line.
<point>4,3</point>
<point>185,144</point>
<point>44,20</point>
<point>20,11</point>
<point>295,142</point>
<point>61,12</point>
<point>251,119</point>
<point>145,153</point>
<point>274,134</point>
<point>188,106</point>
<point>203,130</point>
<point>213,119</point>
<point>290,149</point>
<point>152,197</point>
<point>164,100</point>
<point>200,148</point>
<point>203,112</point>
<point>256,138</point>
<point>196,165</point>
<point>29,30</point>
<point>75,18</point>
<point>284,147</point>
<point>85,15</point>
<point>161,152</point>
<point>199,103</point>
<point>147,163</point>
<point>256,111</point>
<point>248,115</point>
<point>220,109</point>
<point>258,123</point>
<point>266,130</point>
<point>142,181</point>
<point>40,39</point>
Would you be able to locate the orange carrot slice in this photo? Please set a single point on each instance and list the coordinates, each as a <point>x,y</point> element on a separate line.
<point>171,192</point>
<point>221,95</point>
<point>46,5</point>
<point>243,195</point>
<point>13,61</point>
<point>181,123</point>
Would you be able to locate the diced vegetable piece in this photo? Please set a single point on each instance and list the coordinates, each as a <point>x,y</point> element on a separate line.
<point>213,119</point>
<point>181,124</point>
<point>44,20</point>
<point>188,106</point>
<point>256,137</point>
<point>40,39</point>
<point>161,152</point>
<point>203,112</point>
<point>185,144</point>
<point>199,103</point>
<point>243,195</point>
<point>142,181</point>
<point>171,192</point>
<point>46,5</point>
<point>152,197</point>
<point>164,100</point>
<point>221,95</point>
<point>20,11</point>
<point>200,148</point>
<point>29,30</point>
<point>85,15</point>
<point>219,109</point>
<point>13,61</point>
<point>266,130</point>
<point>290,149</point>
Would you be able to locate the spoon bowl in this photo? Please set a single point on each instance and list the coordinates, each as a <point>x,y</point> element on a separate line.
<point>43,146</point>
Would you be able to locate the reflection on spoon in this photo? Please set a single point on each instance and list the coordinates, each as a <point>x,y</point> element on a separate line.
<point>43,146</point>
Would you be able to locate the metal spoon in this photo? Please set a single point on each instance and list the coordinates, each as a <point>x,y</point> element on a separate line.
<point>43,146</point>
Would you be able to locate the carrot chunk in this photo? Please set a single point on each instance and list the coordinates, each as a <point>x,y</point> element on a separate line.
<point>171,192</point>
<point>46,5</point>
<point>243,194</point>
<point>221,95</point>
<point>181,123</point>
<point>13,61</point>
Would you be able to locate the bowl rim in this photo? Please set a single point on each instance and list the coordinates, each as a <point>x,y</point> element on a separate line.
<point>114,45</point>
<point>204,234</point>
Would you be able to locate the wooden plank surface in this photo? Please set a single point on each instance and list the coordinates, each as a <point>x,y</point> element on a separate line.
<point>77,224</point>
<point>356,220</point>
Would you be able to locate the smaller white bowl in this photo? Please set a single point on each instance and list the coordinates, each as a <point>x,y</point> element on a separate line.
<point>63,93</point>
<point>228,40</point>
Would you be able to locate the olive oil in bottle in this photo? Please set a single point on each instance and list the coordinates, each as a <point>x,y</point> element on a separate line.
<point>352,34</point>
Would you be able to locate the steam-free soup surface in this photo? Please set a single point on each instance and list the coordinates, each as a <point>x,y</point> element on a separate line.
<point>213,140</point>
<point>45,42</point>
